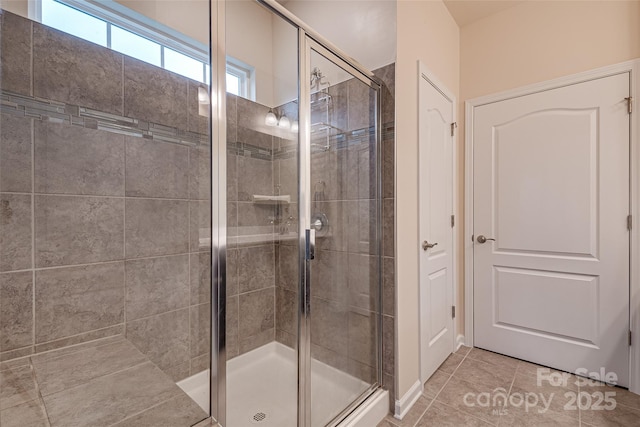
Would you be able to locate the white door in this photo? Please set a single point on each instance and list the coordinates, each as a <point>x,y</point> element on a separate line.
<point>436,232</point>
<point>551,186</point>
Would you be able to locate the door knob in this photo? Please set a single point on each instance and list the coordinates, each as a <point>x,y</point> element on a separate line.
<point>426,245</point>
<point>482,239</point>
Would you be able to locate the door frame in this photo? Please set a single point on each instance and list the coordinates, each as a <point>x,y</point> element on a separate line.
<point>633,68</point>
<point>425,73</point>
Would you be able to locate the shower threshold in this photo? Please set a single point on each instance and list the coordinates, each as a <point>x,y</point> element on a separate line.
<point>262,389</point>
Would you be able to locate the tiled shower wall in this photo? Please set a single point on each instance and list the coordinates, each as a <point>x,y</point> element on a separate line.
<point>101,233</point>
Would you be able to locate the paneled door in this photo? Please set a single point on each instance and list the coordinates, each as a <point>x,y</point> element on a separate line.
<point>436,225</point>
<point>551,250</point>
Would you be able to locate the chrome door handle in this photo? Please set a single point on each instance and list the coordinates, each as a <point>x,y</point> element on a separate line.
<point>482,239</point>
<point>426,245</point>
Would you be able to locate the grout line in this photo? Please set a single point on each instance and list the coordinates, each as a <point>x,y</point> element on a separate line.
<point>40,399</point>
<point>33,232</point>
<point>78,335</point>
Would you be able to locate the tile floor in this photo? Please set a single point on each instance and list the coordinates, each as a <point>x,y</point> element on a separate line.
<point>484,379</point>
<point>106,382</point>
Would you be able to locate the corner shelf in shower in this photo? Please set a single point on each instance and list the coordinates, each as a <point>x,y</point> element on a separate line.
<point>261,199</point>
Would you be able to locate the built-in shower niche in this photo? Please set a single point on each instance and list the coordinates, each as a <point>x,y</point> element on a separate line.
<point>104,203</point>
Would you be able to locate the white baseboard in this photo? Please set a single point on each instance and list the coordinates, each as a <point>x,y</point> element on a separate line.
<point>406,402</point>
<point>460,341</point>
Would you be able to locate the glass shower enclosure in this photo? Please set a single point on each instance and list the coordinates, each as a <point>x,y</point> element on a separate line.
<point>298,316</point>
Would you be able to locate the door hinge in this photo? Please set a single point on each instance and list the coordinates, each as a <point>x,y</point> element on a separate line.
<point>629,222</point>
<point>454,125</point>
<point>453,221</point>
<point>453,311</point>
<point>629,338</point>
<point>629,104</point>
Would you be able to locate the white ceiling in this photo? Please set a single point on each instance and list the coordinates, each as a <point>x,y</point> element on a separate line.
<point>467,11</point>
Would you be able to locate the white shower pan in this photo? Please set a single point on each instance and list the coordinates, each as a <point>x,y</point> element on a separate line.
<point>262,391</point>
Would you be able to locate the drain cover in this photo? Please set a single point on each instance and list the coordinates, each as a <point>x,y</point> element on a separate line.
<point>259,417</point>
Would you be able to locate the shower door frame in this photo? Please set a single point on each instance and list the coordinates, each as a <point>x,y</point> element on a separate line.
<point>308,39</point>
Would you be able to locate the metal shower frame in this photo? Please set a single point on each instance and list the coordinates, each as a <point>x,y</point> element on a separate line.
<point>308,40</point>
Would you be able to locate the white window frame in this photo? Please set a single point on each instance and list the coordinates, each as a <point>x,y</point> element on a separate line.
<point>245,74</point>
<point>114,13</point>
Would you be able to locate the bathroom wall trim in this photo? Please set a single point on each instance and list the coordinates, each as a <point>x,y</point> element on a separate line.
<point>410,397</point>
<point>633,68</point>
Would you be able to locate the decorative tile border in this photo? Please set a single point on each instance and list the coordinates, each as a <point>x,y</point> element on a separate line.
<point>48,110</point>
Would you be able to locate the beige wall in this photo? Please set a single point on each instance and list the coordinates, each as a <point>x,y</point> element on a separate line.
<point>427,32</point>
<point>537,41</point>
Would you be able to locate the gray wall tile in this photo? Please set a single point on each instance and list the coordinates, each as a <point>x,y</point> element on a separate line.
<point>200,172</point>
<point>156,169</point>
<point>85,405</point>
<point>255,176</point>
<point>15,232</point>
<point>179,411</point>
<point>256,312</point>
<point>15,49</point>
<point>388,286</point>
<point>251,343</point>
<point>156,227</point>
<point>110,331</point>
<point>64,372</point>
<point>361,105</point>
<point>16,310</point>
<point>328,325</point>
<point>156,285</point>
<point>200,277</point>
<point>71,70</point>
<point>15,153</point>
<point>154,94</point>
<point>200,329</point>
<point>164,338</point>
<point>31,413</point>
<point>76,160</point>
<point>362,337</point>
<point>73,300</point>
<point>287,311</point>
<point>388,228</point>
<point>288,267</point>
<point>232,326</point>
<point>77,230</point>
<point>200,228</point>
<point>329,275</point>
<point>197,111</point>
<point>257,268</point>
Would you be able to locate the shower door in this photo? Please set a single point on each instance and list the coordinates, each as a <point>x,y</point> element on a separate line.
<point>340,241</point>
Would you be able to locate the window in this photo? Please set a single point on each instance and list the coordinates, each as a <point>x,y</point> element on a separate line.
<point>240,79</point>
<point>116,27</point>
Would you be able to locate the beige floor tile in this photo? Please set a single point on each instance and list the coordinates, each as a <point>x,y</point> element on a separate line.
<point>485,374</point>
<point>463,350</point>
<point>493,358</point>
<point>413,415</point>
<point>445,416</point>
<point>622,416</point>
<point>531,369</point>
<point>386,423</point>
<point>451,363</point>
<point>480,401</point>
<point>434,384</point>
<point>520,417</point>
<point>557,398</point>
